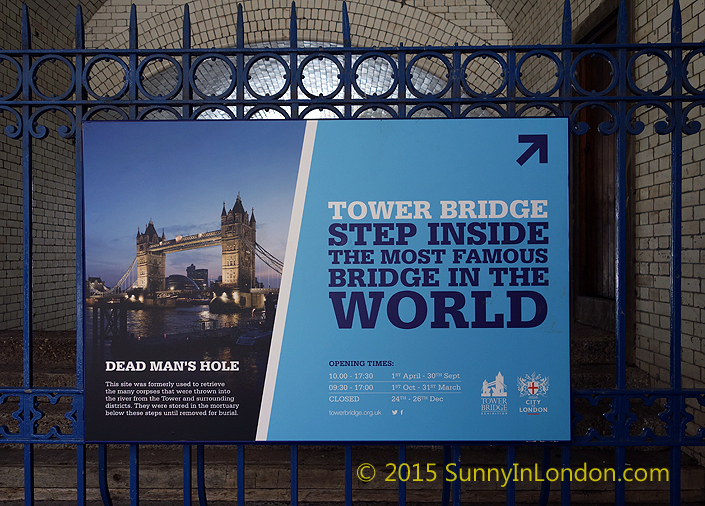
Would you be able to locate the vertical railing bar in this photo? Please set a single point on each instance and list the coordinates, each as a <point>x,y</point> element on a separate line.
<point>675,483</point>
<point>133,90</point>
<point>27,182</point>
<point>294,475</point>
<point>402,483</point>
<point>456,483</point>
<point>103,475</point>
<point>567,26</point>
<point>134,475</point>
<point>78,428</point>
<point>456,89</point>
<point>677,399</point>
<point>511,490</point>
<point>240,475</point>
<point>294,64</point>
<point>545,484</point>
<point>619,464</point>
<point>28,456</point>
<point>348,475</point>
<point>187,474</point>
<point>347,40</point>
<point>347,63</point>
<point>566,107</point>
<point>240,64</point>
<point>621,206</point>
<point>566,57</point>
<point>401,94</point>
<point>200,475</point>
<point>511,83</point>
<point>676,194</point>
<point>565,484</point>
<point>293,28</point>
<point>621,402</point>
<point>186,91</point>
<point>447,459</point>
<point>80,217</point>
<point>27,425</point>
<point>80,474</point>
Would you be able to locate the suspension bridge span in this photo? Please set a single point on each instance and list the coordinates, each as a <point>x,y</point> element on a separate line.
<point>238,240</point>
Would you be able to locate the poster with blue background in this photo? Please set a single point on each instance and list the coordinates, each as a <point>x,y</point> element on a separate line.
<point>428,292</point>
<point>424,291</point>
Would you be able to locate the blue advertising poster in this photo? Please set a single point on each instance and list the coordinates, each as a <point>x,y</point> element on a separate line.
<point>423,289</point>
<point>428,291</point>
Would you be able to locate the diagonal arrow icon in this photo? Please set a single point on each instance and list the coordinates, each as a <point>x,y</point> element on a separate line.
<point>538,143</point>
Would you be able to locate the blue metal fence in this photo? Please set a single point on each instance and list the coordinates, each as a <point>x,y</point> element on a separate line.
<point>677,100</point>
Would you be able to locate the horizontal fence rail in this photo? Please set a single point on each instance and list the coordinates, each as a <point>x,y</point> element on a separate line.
<point>350,82</point>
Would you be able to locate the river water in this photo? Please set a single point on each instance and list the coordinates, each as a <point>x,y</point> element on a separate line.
<point>155,322</point>
<point>170,332</point>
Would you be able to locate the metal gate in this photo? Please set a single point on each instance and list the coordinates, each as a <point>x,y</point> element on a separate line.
<point>511,97</point>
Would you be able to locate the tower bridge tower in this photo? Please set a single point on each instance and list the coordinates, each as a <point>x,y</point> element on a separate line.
<point>237,238</point>
<point>237,228</point>
<point>151,265</point>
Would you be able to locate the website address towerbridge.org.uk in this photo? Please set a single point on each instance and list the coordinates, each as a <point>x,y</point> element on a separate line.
<point>430,472</point>
<point>353,412</point>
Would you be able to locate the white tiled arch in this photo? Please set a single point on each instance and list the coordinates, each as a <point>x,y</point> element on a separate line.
<point>373,23</point>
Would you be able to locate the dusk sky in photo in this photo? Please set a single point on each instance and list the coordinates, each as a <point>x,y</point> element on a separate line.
<point>178,174</point>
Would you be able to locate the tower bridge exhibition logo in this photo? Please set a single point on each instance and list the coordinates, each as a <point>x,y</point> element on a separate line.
<point>494,396</point>
<point>533,387</point>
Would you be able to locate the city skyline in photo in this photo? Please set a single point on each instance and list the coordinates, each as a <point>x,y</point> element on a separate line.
<point>179,175</point>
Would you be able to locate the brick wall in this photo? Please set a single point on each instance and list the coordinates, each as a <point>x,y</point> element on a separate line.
<point>54,215</point>
<point>653,216</point>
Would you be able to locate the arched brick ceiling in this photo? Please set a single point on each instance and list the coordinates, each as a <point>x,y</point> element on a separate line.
<point>512,12</point>
<point>52,21</point>
<point>373,23</point>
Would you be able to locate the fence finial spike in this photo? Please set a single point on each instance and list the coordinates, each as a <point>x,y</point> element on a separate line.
<point>567,37</point>
<point>293,37</point>
<point>346,26</point>
<point>676,23</point>
<point>133,27</point>
<point>240,29</point>
<point>80,33</point>
<point>622,23</point>
<point>187,27</point>
<point>26,33</point>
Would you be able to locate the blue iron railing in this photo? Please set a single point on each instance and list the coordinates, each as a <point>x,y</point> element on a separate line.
<point>677,100</point>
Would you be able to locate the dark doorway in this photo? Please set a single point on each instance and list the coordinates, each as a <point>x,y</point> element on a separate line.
<point>594,191</point>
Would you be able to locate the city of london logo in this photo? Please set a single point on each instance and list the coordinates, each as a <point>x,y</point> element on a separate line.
<point>494,396</point>
<point>533,386</point>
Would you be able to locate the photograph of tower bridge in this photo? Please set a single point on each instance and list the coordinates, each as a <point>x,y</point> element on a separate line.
<point>186,222</point>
